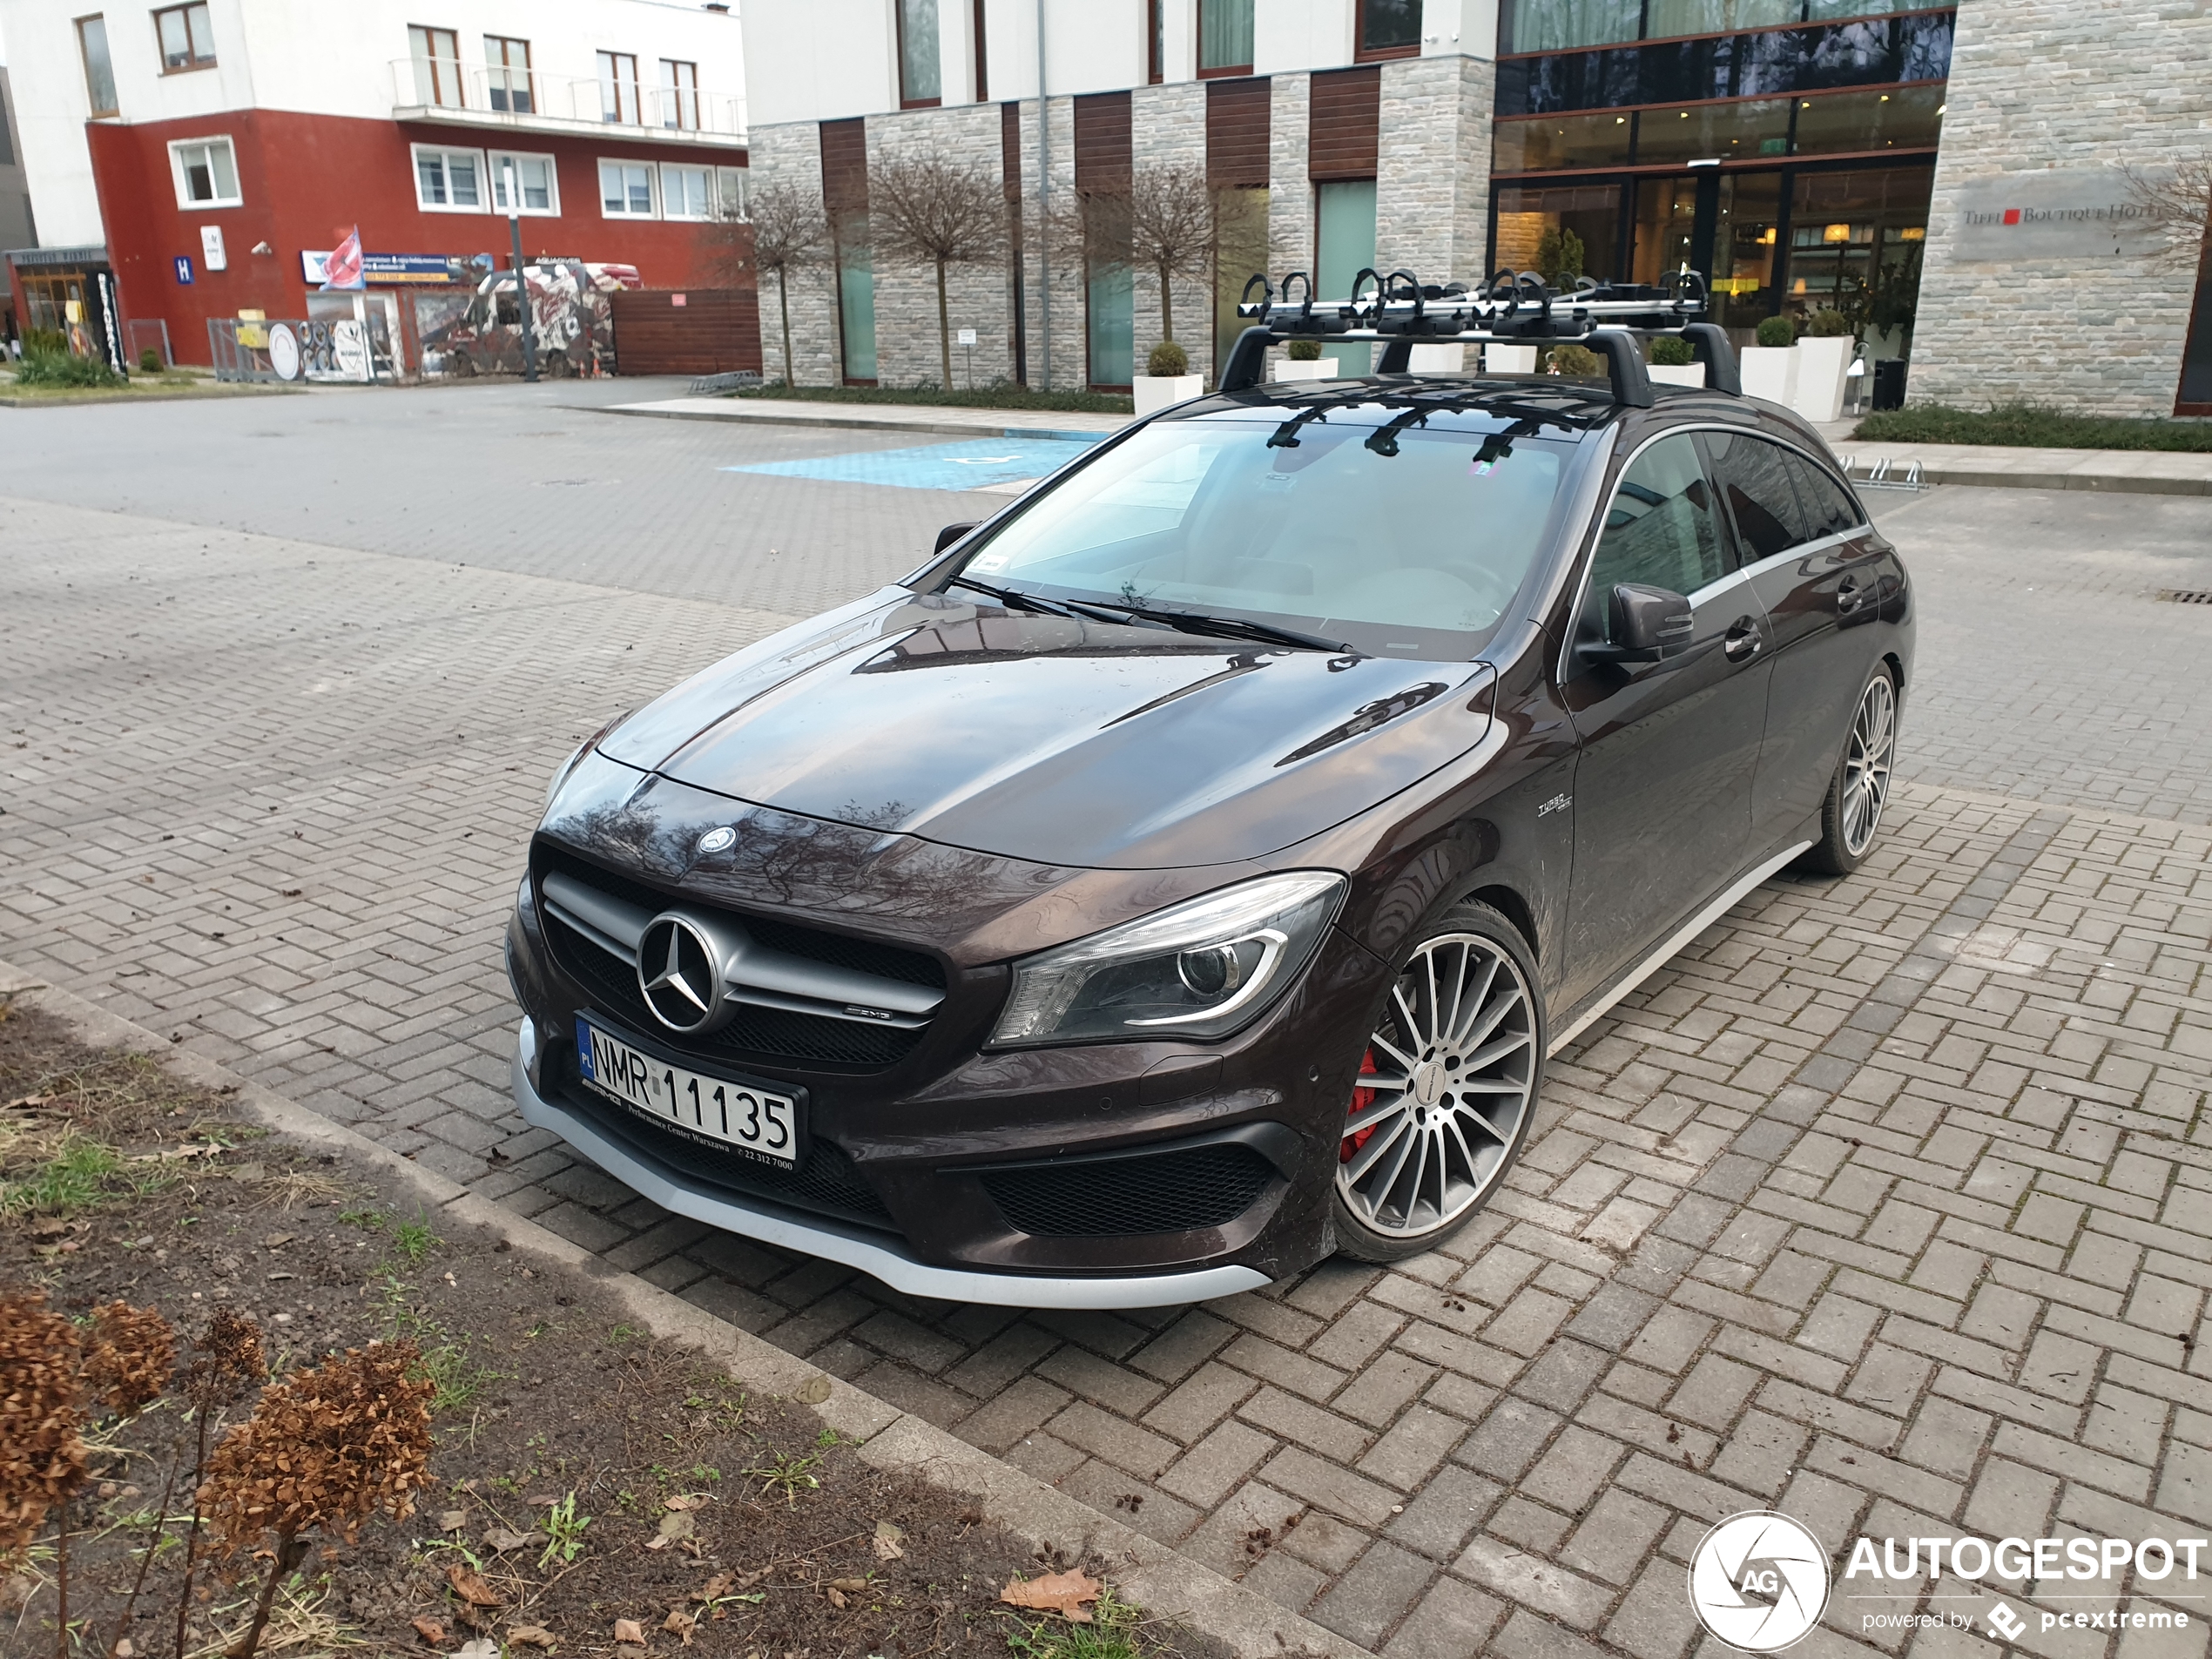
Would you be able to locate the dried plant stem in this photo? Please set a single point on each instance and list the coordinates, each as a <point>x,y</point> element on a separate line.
<point>145,1561</point>
<point>192,1532</point>
<point>61,1580</point>
<point>285,1561</point>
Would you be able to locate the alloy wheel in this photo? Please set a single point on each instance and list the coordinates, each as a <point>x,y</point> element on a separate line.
<point>1443,1092</point>
<point>1866,764</point>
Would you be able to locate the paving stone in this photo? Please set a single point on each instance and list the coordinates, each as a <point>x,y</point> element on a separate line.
<point>1371,1597</point>
<point>1453,1620</point>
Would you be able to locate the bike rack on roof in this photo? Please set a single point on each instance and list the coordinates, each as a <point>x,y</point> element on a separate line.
<point>1514,308</point>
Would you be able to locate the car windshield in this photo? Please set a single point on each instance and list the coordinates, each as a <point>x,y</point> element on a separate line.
<point>1347,524</point>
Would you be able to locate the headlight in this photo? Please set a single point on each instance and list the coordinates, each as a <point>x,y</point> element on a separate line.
<point>561,772</point>
<point>1200,968</point>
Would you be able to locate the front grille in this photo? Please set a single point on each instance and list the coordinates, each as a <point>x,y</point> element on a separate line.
<point>1166,1192</point>
<point>826,1182</point>
<point>754,1033</point>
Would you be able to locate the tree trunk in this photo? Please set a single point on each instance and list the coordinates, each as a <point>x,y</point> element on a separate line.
<point>1167,306</point>
<point>783,304</point>
<point>944,332</point>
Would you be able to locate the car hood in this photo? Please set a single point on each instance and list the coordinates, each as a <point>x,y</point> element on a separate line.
<point>1056,740</point>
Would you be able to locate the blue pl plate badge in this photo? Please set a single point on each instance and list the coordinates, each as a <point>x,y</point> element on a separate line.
<point>583,1050</point>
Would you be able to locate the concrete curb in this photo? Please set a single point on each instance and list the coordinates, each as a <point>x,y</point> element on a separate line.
<point>862,423</point>
<point>1163,1581</point>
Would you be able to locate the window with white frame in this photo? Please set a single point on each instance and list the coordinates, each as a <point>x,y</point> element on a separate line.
<point>732,193</point>
<point>538,183</point>
<point>686,193</point>
<point>205,171</point>
<point>450,181</point>
<point>626,189</point>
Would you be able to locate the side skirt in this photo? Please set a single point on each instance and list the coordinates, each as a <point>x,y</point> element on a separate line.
<point>1667,952</point>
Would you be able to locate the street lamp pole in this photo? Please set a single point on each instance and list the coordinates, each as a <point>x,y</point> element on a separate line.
<point>521,286</point>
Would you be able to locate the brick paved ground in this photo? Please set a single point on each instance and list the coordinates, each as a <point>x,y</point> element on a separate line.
<point>1889,1204</point>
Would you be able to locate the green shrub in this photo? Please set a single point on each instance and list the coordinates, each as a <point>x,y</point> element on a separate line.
<point>43,340</point>
<point>1575,362</point>
<point>60,368</point>
<point>1304,351</point>
<point>2033,426</point>
<point>1167,359</point>
<point>1670,352</point>
<point>1558,257</point>
<point>150,360</point>
<point>1777,331</point>
<point>1827,323</point>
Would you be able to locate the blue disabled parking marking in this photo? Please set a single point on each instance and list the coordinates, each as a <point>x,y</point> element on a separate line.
<point>970,464</point>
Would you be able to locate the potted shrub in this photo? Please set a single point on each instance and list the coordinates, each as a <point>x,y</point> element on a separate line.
<point>1575,362</point>
<point>1770,368</point>
<point>1167,379</point>
<point>1305,362</point>
<point>1824,362</point>
<point>1675,363</point>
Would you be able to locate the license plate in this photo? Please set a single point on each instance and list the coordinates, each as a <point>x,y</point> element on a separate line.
<point>756,1121</point>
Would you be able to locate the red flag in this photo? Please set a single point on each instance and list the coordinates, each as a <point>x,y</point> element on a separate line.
<point>341,268</point>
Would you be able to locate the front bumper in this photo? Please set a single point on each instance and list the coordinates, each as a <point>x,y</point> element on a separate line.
<point>872,1252</point>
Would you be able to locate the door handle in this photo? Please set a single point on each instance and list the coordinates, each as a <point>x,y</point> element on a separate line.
<point>1848,595</point>
<point>1744,640</point>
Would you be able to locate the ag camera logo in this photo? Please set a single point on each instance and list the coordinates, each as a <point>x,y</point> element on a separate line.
<point>1759,1580</point>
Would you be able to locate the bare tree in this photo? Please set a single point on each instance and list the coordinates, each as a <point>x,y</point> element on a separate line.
<point>2178,203</point>
<point>1170,222</point>
<point>785,232</point>
<point>923,210</point>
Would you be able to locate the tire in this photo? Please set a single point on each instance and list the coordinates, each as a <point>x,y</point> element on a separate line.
<point>1852,814</point>
<point>1421,1154</point>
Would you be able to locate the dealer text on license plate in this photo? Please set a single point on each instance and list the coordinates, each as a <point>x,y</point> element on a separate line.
<point>744,1115</point>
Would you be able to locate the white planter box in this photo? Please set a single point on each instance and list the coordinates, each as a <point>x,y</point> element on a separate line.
<point>1769,372</point>
<point>1510,360</point>
<point>1678,374</point>
<point>1823,366</point>
<point>1436,360</point>
<point>1319,368</point>
<point>1156,392</point>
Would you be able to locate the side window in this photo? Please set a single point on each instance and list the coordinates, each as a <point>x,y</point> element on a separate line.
<point>1662,530</point>
<point>1755,476</point>
<point>1829,509</point>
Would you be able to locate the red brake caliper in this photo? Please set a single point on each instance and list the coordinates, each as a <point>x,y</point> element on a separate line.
<point>1362,1098</point>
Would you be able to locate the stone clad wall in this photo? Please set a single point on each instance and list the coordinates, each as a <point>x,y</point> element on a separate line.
<point>1432,176</point>
<point>791,156</point>
<point>1167,129</point>
<point>2058,86</point>
<point>976,296</point>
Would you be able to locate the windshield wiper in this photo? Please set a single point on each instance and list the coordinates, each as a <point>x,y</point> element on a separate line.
<point>1191,621</point>
<point>1012,599</point>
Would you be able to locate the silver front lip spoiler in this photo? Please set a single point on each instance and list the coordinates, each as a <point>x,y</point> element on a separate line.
<point>854,1246</point>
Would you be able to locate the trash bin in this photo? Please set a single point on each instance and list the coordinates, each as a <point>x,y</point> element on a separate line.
<point>1889,383</point>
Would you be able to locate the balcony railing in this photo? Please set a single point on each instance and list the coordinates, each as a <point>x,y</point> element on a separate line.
<point>495,96</point>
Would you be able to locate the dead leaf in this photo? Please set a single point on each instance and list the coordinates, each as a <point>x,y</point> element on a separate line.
<point>430,1631</point>
<point>499,1541</point>
<point>541,1501</point>
<point>813,1391</point>
<point>631,1631</point>
<point>850,1585</point>
<point>533,1636</point>
<point>681,1623</point>
<point>715,1588</point>
<point>1055,1593</point>
<point>677,1524</point>
<point>452,1520</point>
<point>471,1588</point>
<point>887,1535</point>
<point>686,1500</point>
<point>836,1596</point>
<point>478,1648</point>
<point>278,1241</point>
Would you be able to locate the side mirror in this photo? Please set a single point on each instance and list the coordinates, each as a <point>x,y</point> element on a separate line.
<point>1647,625</point>
<point>952,533</point>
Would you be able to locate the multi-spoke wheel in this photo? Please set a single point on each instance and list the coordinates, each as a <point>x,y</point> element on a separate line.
<point>1861,787</point>
<point>1446,1086</point>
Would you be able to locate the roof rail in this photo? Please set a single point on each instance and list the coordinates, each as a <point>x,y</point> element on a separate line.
<point>1512,308</point>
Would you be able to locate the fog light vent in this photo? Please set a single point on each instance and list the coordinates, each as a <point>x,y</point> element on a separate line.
<point>2186,596</point>
<point>1166,1192</point>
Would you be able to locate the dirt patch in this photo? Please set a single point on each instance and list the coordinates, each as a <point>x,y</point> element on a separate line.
<point>591,1488</point>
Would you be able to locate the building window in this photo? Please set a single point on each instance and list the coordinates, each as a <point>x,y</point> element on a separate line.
<point>187,42</point>
<point>449,181</point>
<point>686,193</point>
<point>537,182</point>
<point>626,189</point>
<point>618,88</point>
<point>679,95</point>
<point>437,67</point>
<point>205,172</point>
<point>920,86</point>
<point>1563,25</point>
<point>506,67</point>
<point>982,58</point>
<point>1225,37</point>
<point>1156,42</point>
<point>99,69</point>
<point>732,193</point>
<point>1388,28</point>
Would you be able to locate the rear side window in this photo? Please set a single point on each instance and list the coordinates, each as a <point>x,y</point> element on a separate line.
<point>1829,509</point>
<point>1662,530</point>
<point>1755,476</point>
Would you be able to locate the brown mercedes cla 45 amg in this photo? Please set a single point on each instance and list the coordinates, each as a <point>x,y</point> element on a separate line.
<point>1186,873</point>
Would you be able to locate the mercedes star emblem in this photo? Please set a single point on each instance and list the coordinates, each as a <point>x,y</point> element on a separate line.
<point>718,840</point>
<point>678,973</point>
